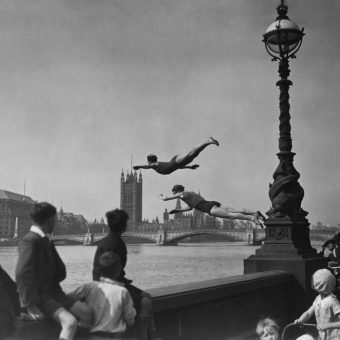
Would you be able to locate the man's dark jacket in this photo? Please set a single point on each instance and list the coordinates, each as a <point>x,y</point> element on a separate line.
<point>9,304</point>
<point>112,242</point>
<point>39,269</point>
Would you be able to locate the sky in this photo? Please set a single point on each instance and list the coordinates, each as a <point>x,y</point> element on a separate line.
<point>88,85</point>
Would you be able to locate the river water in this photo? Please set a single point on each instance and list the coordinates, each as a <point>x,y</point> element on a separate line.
<point>150,265</point>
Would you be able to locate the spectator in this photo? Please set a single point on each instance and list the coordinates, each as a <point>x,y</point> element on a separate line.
<point>267,329</point>
<point>117,222</point>
<point>9,304</point>
<point>39,272</point>
<point>110,300</point>
<point>325,308</point>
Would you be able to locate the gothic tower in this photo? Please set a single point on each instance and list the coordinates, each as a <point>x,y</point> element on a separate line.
<point>131,197</point>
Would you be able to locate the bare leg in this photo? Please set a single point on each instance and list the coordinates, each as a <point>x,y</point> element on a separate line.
<point>225,212</point>
<point>68,323</point>
<point>243,214</point>
<point>242,211</point>
<point>83,313</point>
<point>191,155</point>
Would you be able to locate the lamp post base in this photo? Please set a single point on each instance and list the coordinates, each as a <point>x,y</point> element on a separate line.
<point>287,247</point>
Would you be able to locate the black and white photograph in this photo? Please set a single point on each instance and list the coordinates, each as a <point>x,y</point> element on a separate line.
<point>169,170</point>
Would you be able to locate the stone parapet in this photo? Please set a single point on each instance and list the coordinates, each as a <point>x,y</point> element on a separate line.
<point>226,308</point>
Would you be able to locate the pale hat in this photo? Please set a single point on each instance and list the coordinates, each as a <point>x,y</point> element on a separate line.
<point>323,281</point>
<point>305,337</point>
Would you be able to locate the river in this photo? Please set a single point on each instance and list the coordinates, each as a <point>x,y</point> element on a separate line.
<point>150,265</point>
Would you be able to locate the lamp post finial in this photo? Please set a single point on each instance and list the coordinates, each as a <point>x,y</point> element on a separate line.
<point>282,10</point>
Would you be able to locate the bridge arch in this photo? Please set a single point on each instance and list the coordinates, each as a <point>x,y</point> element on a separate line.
<point>178,238</point>
<point>128,236</point>
<point>67,241</point>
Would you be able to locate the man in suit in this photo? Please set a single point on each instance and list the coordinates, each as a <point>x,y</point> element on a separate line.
<point>39,272</point>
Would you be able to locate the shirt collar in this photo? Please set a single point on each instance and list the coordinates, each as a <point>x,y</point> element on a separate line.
<point>113,282</point>
<point>35,229</point>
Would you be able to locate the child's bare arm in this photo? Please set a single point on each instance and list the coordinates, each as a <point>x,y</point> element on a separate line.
<point>305,316</point>
<point>79,293</point>
<point>328,325</point>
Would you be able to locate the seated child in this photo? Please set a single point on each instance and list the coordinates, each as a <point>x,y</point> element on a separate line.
<point>267,329</point>
<point>325,308</point>
<point>111,302</point>
<point>328,249</point>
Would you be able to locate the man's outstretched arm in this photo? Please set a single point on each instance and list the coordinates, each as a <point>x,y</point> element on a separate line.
<point>192,167</point>
<point>146,166</point>
<point>174,211</point>
<point>168,198</point>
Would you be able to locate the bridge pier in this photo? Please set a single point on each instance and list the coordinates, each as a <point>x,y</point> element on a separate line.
<point>162,237</point>
<point>88,239</point>
<point>287,247</point>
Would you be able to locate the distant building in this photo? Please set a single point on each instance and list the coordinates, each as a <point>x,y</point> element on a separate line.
<point>69,223</point>
<point>193,220</point>
<point>15,211</point>
<point>131,198</point>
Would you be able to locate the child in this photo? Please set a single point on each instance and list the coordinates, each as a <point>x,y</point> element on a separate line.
<point>305,337</point>
<point>117,221</point>
<point>326,306</point>
<point>329,247</point>
<point>110,300</point>
<point>267,329</point>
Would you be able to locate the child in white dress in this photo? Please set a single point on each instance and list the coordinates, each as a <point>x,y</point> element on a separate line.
<point>326,307</point>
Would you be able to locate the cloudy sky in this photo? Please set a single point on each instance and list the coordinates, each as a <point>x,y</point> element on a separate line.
<point>87,84</point>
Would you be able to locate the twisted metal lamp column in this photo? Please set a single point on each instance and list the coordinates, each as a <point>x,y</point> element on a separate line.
<point>285,193</point>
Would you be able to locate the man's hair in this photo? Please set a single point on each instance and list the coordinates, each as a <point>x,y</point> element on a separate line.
<point>152,158</point>
<point>116,220</point>
<point>42,212</point>
<point>109,265</point>
<point>178,188</point>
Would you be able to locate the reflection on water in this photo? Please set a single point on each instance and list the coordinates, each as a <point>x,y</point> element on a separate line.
<point>153,266</point>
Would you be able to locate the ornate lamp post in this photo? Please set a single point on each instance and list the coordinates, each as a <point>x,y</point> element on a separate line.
<point>282,40</point>
<point>287,245</point>
<point>287,221</point>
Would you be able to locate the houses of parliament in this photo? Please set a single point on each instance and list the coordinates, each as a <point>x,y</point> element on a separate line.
<point>131,200</point>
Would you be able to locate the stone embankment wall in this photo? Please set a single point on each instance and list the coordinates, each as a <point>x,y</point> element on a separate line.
<point>227,308</point>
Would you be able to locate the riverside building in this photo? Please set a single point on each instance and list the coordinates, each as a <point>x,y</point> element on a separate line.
<point>15,210</point>
<point>131,200</point>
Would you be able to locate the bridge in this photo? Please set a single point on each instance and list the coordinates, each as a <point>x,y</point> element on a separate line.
<point>159,237</point>
<point>165,237</point>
